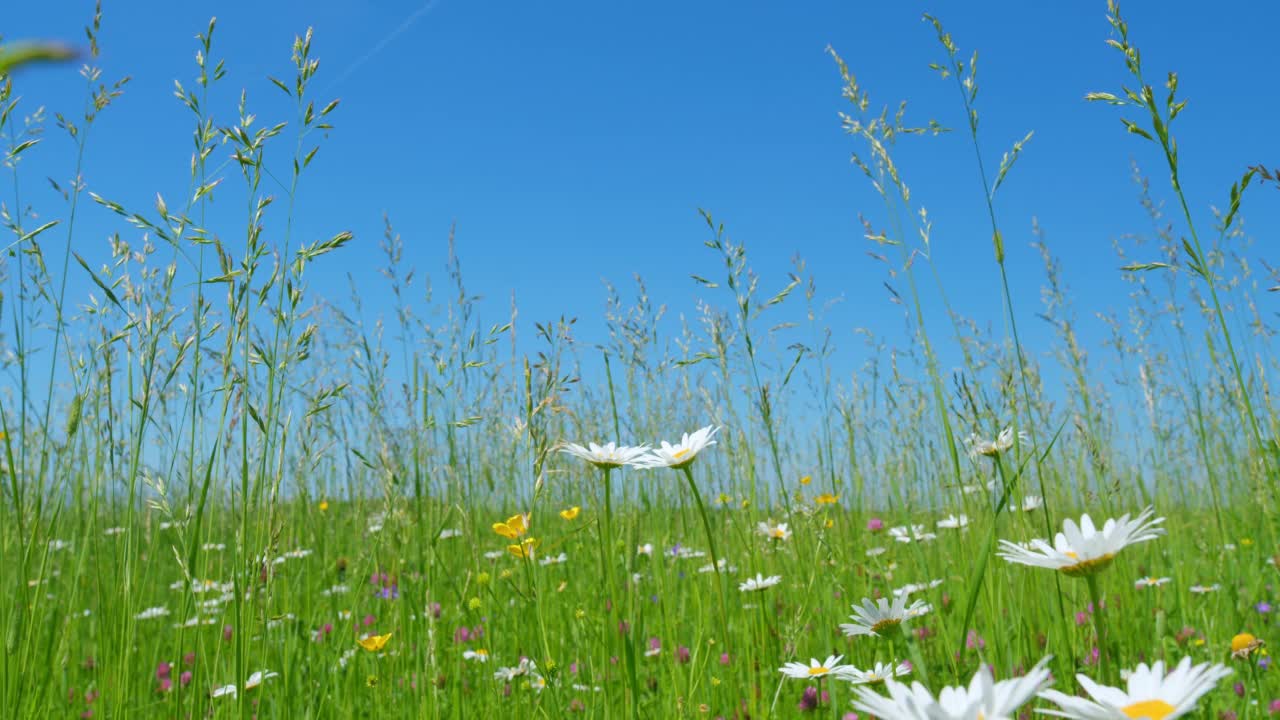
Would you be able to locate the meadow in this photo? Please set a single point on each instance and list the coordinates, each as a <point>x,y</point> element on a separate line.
<point>227,494</point>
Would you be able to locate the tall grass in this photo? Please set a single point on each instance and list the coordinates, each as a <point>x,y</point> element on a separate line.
<point>208,464</point>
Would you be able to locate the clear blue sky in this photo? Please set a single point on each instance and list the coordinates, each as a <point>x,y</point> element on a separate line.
<point>574,141</point>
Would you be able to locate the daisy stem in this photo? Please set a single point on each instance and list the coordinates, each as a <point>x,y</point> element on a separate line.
<point>711,544</point>
<point>606,533</point>
<point>1099,625</point>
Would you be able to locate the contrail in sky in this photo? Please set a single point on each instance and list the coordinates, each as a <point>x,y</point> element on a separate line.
<point>414,17</point>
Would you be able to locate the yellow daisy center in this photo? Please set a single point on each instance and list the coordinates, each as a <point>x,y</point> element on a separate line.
<point>885,624</point>
<point>776,532</point>
<point>813,671</point>
<point>1086,567</point>
<point>680,453</point>
<point>1152,709</point>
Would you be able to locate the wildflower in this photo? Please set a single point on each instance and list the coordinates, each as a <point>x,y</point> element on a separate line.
<point>571,513</point>
<point>525,548</point>
<point>152,612</point>
<point>683,453</point>
<point>827,499</point>
<point>980,447</point>
<point>911,588</point>
<point>1147,582</point>
<point>877,674</point>
<point>1083,549</point>
<point>371,681</point>
<point>1203,589</point>
<point>872,618</point>
<point>774,532</point>
<point>1263,607</point>
<point>1244,645</point>
<point>815,669</point>
<point>324,505</point>
<point>223,691</point>
<point>806,480</point>
<point>645,549</point>
<point>759,582</point>
<point>258,678</point>
<point>608,456</point>
<point>514,527</point>
<point>478,655</point>
<point>374,643</point>
<point>953,522</point>
<point>1150,694</point>
<point>113,531</point>
<point>1032,502</point>
<point>875,525</point>
<point>875,551</point>
<point>554,559</point>
<point>907,533</point>
<point>983,698</point>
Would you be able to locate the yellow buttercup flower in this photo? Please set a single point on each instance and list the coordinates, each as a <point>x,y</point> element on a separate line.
<point>806,480</point>
<point>374,643</point>
<point>571,513</point>
<point>826,499</point>
<point>324,505</point>
<point>514,527</point>
<point>525,548</point>
<point>829,523</point>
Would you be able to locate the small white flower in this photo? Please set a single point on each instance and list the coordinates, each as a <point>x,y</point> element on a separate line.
<point>480,655</point>
<point>912,588</point>
<point>1032,502</point>
<point>815,669</point>
<point>1149,693</point>
<point>258,678</point>
<point>874,617</point>
<point>779,531</point>
<point>723,564</point>
<point>553,559</point>
<point>645,549</point>
<point>335,590</point>
<point>609,455</point>
<point>759,582</point>
<point>213,547</point>
<point>152,612</point>
<point>877,674</point>
<point>55,545</point>
<point>1204,589</point>
<point>223,691</point>
<point>683,453</point>
<point>875,551</point>
<point>450,533</point>
<point>113,531</point>
<point>953,522</point>
<point>906,534</point>
<point>979,447</point>
<point>1147,582</point>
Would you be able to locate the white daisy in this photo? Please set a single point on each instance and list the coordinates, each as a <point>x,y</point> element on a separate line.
<point>553,559</point>
<point>874,617</point>
<point>223,691</point>
<point>774,532</point>
<point>213,547</point>
<point>258,678</point>
<point>525,667</point>
<point>953,522</point>
<point>1204,589</point>
<point>1032,502</point>
<point>479,655</point>
<point>815,669</point>
<point>495,554</point>
<point>759,582</point>
<point>1083,549</point>
<point>875,551</point>
<point>912,588</point>
<point>978,446</point>
<point>645,549</point>
<point>723,564</point>
<point>113,531</point>
<point>683,453</point>
<point>1151,693</point>
<point>610,455</point>
<point>983,699</point>
<point>905,534</point>
<point>877,674</point>
<point>1147,582</point>
<point>152,612</point>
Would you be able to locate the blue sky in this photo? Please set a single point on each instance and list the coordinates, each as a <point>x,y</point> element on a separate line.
<point>575,141</point>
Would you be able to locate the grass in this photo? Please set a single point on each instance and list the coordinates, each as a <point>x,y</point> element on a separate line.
<point>211,471</point>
